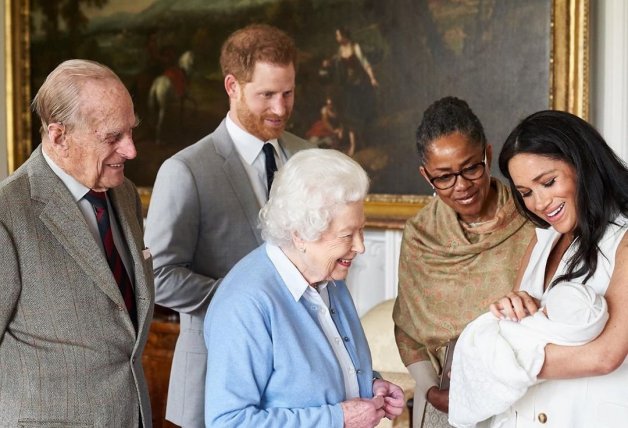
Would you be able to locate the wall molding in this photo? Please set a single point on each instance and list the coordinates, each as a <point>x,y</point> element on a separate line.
<point>373,275</point>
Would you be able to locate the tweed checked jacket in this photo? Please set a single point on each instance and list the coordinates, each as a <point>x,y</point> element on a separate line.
<point>69,354</point>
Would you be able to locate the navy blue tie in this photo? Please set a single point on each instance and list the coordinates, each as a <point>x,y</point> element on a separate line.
<point>271,166</point>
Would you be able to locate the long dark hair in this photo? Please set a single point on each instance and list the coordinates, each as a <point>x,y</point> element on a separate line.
<point>602,178</point>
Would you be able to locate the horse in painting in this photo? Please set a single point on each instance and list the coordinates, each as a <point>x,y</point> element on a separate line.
<point>171,86</point>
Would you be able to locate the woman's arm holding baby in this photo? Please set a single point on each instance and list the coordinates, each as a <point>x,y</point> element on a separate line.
<point>598,357</point>
<point>608,351</point>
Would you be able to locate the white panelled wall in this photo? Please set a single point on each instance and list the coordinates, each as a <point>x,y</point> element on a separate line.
<point>373,275</point>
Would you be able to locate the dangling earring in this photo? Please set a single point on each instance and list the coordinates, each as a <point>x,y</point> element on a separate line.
<point>302,249</point>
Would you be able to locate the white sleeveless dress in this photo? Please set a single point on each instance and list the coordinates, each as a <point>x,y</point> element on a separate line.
<point>590,402</point>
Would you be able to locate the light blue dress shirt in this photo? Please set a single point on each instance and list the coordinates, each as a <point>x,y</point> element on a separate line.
<point>269,363</point>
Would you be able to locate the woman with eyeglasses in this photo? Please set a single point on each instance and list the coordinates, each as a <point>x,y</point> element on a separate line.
<point>458,254</point>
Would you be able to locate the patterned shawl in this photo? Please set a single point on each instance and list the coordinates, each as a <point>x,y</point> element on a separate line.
<point>449,273</point>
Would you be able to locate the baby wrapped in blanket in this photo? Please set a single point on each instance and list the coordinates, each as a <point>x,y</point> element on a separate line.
<point>496,361</point>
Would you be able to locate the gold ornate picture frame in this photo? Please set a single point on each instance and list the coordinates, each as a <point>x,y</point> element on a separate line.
<point>567,73</point>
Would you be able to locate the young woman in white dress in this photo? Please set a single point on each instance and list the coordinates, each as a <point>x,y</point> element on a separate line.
<point>568,181</point>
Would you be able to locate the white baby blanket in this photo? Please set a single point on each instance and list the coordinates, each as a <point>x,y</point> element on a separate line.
<point>496,361</point>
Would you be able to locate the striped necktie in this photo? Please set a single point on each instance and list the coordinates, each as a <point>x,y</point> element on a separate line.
<point>99,202</point>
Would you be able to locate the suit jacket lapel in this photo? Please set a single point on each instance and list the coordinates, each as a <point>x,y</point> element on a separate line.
<point>132,234</point>
<point>238,177</point>
<point>292,144</point>
<point>62,216</point>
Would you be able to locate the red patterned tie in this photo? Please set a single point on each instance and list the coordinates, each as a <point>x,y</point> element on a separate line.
<point>99,202</point>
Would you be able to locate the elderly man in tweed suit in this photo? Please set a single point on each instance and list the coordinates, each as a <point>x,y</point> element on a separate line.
<point>77,286</point>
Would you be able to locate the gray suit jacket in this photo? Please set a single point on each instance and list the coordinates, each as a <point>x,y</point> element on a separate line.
<point>202,219</point>
<point>69,354</point>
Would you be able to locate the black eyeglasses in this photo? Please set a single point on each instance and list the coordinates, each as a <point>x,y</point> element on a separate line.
<point>447,181</point>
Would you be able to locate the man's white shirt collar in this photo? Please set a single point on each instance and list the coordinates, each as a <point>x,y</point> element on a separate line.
<point>248,146</point>
<point>77,189</point>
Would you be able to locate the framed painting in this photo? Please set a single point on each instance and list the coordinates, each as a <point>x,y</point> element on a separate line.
<point>367,71</point>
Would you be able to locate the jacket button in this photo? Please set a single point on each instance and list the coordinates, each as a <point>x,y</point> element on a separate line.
<point>542,418</point>
<point>346,338</point>
<point>120,308</point>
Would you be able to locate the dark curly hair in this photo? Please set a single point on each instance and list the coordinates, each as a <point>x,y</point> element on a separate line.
<point>444,117</point>
<point>602,178</point>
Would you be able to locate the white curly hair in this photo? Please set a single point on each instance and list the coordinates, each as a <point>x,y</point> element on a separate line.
<point>306,192</point>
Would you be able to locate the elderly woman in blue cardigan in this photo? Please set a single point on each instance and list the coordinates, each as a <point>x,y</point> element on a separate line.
<point>285,344</point>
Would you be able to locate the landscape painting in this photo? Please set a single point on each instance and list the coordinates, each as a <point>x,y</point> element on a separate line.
<point>367,68</point>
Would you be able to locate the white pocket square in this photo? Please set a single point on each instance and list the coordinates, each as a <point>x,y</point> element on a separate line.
<point>146,253</point>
